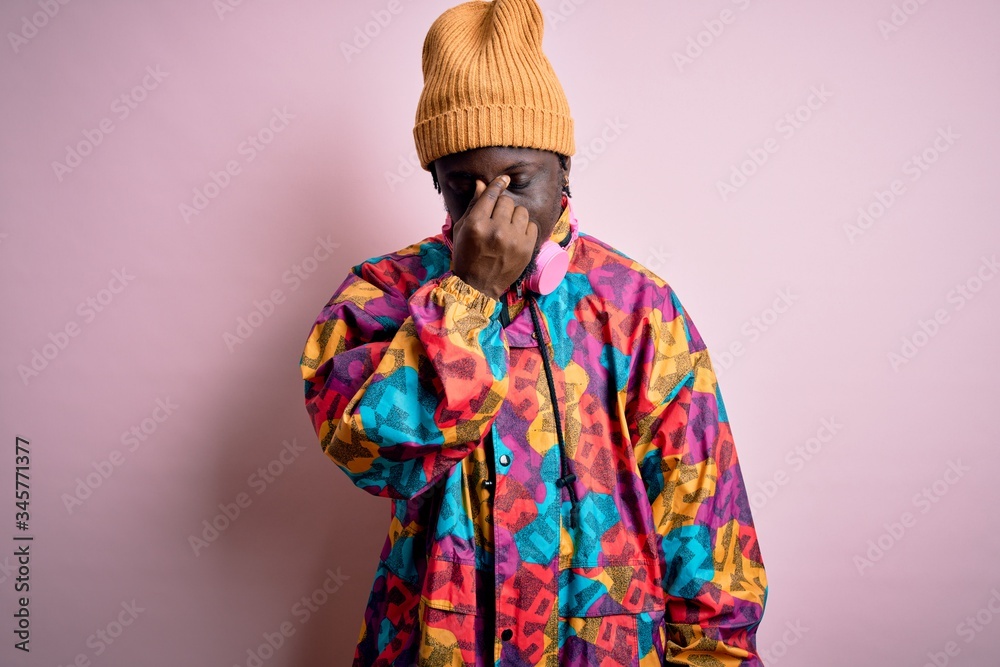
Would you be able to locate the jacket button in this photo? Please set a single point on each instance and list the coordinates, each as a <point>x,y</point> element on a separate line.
<point>488,483</point>
<point>506,634</point>
<point>504,460</point>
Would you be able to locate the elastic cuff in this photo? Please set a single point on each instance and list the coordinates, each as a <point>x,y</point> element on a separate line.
<point>469,295</point>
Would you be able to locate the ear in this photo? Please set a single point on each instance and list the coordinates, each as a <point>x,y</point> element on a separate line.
<point>566,165</point>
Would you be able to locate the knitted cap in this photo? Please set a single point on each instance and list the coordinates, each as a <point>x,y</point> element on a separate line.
<point>487,83</point>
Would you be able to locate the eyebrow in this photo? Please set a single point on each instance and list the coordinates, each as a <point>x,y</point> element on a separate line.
<point>468,174</point>
<point>518,165</point>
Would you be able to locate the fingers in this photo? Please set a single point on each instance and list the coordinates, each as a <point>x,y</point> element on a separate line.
<point>520,219</point>
<point>480,188</point>
<point>484,203</point>
<point>521,222</point>
<point>504,210</point>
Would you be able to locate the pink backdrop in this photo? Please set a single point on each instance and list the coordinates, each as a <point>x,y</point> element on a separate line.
<point>184,185</point>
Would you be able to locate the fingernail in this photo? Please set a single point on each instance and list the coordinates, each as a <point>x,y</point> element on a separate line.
<point>506,179</point>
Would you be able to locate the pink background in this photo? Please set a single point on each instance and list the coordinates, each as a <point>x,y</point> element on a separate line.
<point>864,570</point>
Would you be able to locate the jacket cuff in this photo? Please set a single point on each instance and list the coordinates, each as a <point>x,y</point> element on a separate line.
<point>467,295</point>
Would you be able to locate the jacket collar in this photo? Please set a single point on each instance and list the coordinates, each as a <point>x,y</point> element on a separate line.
<point>567,229</point>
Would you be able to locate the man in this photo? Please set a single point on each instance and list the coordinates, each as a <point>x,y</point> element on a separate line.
<point>539,408</point>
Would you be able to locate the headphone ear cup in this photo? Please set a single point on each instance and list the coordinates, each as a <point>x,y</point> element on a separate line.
<point>551,266</point>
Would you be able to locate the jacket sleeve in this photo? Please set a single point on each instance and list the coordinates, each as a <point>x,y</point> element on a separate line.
<point>400,390</point>
<point>714,578</point>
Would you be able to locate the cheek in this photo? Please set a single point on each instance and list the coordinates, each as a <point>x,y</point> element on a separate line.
<point>454,206</point>
<point>553,208</point>
<point>543,211</point>
<point>540,205</point>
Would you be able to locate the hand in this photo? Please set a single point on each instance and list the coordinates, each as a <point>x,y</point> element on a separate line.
<point>494,241</point>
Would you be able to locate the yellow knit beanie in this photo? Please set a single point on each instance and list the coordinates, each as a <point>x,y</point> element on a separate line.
<point>487,83</point>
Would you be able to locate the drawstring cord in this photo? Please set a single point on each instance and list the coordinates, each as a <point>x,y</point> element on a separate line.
<point>567,477</point>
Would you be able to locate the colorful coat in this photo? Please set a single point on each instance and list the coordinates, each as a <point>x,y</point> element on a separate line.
<point>421,395</point>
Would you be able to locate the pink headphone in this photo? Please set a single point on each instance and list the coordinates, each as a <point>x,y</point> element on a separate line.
<point>551,263</point>
<point>551,266</point>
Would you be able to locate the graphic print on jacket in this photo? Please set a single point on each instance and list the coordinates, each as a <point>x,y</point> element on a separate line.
<point>421,396</point>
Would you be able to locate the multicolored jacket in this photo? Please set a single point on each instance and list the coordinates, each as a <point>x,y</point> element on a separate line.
<point>429,393</point>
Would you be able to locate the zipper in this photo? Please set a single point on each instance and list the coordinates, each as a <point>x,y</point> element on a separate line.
<point>505,303</point>
<point>505,309</point>
<point>489,622</point>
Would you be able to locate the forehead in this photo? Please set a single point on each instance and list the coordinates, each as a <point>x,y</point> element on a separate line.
<point>495,159</point>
